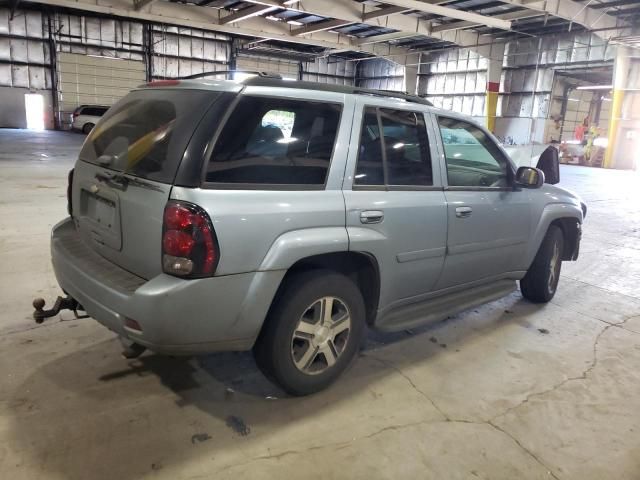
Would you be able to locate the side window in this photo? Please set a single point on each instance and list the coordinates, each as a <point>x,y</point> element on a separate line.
<point>473,159</point>
<point>276,141</point>
<point>406,148</point>
<point>370,170</point>
<point>400,157</point>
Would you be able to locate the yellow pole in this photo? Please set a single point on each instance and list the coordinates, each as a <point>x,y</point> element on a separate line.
<point>491,105</point>
<point>620,80</point>
<point>614,120</point>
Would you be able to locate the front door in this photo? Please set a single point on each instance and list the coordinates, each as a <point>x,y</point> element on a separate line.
<point>488,220</point>
<point>395,205</point>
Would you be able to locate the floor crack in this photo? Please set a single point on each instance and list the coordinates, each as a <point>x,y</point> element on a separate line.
<point>413,385</point>
<point>523,448</point>
<point>582,376</point>
<point>484,422</point>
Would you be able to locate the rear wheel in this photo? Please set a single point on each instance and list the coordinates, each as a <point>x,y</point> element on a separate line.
<point>312,332</point>
<point>87,128</point>
<point>541,281</point>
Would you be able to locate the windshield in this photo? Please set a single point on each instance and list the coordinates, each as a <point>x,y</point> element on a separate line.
<point>146,133</point>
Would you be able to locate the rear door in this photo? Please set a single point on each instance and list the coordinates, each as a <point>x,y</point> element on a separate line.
<point>395,205</point>
<point>125,173</point>
<point>488,220</point>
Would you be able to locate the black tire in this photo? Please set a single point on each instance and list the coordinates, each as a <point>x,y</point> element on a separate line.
<point>274,348</point>
<point>541,281</point>
<point>87,127</point>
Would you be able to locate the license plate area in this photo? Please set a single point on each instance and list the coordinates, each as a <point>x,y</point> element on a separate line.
<point>100,216</point>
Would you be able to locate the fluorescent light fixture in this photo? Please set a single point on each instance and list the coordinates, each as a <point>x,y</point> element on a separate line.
<point>605,99</point>
<point>398,145</point>
<point>595,87</point>
<point>287,140</point>
<point>295,22</point>
<point>573,99</point>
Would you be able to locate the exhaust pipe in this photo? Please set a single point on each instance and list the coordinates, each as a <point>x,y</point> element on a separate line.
<point>66,303</point>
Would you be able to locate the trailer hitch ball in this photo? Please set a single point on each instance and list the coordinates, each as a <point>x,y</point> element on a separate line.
<point>61,303</point>
<point>38,303</point>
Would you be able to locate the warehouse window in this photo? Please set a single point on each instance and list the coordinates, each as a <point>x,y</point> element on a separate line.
<point>398,157</point>
<point>276,141</point>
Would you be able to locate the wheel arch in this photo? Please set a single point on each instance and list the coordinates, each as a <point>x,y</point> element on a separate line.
<point>361,267</point>
<point>568,218</point>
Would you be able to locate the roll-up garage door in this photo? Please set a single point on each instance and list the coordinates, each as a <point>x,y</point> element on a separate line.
<point>91,80</point>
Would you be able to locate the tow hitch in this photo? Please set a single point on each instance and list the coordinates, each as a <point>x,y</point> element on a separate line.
<point>66,303</point>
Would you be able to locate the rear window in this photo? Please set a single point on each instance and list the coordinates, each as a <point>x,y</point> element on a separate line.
<point>276,141</point>
<point>146,133</point>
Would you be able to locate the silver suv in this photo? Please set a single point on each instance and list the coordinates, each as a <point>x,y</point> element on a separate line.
<point>287,217</point>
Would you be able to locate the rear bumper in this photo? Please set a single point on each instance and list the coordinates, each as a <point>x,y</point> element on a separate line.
<point>176,316</point>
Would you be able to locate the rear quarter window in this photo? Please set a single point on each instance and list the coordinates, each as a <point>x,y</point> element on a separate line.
<point>146,133</point>
<point>277,142</point>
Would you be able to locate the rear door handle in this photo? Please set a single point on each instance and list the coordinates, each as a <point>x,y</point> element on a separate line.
<point>371,216</point>
<point>463,212</point>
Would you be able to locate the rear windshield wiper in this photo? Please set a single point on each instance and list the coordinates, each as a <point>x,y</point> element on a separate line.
<point>121,181</point>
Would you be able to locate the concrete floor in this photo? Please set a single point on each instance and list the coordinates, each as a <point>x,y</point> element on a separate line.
<point>510,390</point>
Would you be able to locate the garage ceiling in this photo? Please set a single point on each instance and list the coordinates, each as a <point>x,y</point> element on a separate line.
<point>360,28</point>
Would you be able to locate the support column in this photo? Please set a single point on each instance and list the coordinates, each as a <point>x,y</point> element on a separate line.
<point>621,80</point>
<point>494,71</point>
<point>411,68</point>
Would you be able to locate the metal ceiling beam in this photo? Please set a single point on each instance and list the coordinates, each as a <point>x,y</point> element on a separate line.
<point>451,13</point>
<point>520,14</point>
<point>385,37</point>
<point>243,14</point>
<point>319,27</point>
<point>352,11</point>
<point>576,12</point>
<point>383,12</point>
<point>207,19</point>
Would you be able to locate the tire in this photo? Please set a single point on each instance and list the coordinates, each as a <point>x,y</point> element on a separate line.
<point>299,347</point>
<point>87,127</point>
<point>541,281</point>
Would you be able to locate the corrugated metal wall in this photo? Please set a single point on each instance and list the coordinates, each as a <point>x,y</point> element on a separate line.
<point>24,51</point>
<point>381,74</point>
<point>454,80</point>
<point>286,68</point>
<point>179,51</point>
<point>329,70</point>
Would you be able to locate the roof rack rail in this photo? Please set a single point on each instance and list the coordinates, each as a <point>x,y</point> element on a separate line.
<point>230,72</point>
<point>394,94</point>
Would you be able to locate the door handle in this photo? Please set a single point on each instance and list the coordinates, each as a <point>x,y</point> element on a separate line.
<point>463,212</point>
<point>371,216</point>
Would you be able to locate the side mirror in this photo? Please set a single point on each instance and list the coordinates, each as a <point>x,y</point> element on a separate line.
<point>549,163</point>
<point>529,177</point>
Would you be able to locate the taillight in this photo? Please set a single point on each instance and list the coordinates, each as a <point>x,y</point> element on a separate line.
<point>70,193</point>
<point>189,243</point>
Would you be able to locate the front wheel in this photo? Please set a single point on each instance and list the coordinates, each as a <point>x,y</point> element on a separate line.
<point>312,333</point>
<point>87,128</point>
<point>541,281</point>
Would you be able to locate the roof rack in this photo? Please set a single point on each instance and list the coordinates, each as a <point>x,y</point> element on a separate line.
<point>230,72</point>
<point>266,79</point>
<point>393,94</point>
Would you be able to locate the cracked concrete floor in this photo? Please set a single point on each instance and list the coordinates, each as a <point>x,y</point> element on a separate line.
<point>510,390</point>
